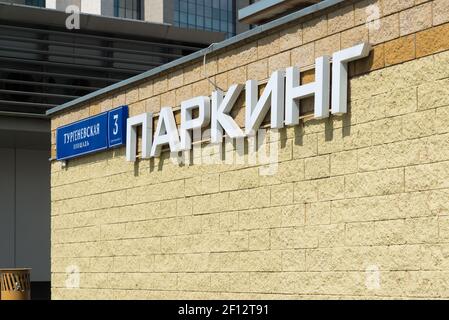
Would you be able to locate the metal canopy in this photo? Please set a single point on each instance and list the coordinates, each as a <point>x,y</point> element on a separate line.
<point>43,64</point>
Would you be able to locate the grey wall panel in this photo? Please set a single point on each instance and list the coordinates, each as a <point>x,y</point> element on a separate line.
<point>107,8</point>
<point>33,212</point>
<point>7,187</point>
<point>169,8</point>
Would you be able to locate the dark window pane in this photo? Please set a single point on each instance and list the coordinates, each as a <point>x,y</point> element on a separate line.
<point>223,15</point>
<point>36,3</point>
<point>230,6</point>
<point>224,4</point>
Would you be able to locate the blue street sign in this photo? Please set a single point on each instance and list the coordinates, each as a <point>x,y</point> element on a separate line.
<point>82,137</point>
<point>117,126</point>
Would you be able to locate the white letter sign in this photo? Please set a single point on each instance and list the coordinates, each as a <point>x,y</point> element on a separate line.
<point>295,92</point>
<point>340,75</point>
<point>281,97</point>
<point>257,110</point>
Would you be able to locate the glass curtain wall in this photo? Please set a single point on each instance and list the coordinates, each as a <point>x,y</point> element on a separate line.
<point>210,15</point>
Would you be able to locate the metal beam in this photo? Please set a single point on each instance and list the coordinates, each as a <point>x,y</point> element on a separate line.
<point>61,75</point>
<point>83,56</point>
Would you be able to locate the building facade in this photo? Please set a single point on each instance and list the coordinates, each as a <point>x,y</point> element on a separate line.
<point>216,15</point>
<point>358,205</point>
<point>43,65</point>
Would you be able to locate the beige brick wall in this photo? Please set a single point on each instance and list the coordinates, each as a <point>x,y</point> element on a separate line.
<point>362,192</point>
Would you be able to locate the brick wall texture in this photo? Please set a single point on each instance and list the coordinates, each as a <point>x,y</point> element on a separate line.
<point>359,207</point>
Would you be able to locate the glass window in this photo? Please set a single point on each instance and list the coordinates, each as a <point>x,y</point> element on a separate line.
<point>130,9</point>
<point>200,22</point>
<point>211,15</point>
<point>183,5</point>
